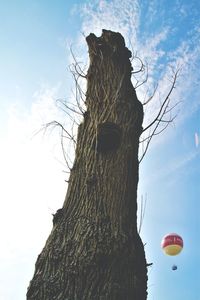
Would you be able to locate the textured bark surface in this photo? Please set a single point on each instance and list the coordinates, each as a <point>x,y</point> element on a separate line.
<point>94,251</point>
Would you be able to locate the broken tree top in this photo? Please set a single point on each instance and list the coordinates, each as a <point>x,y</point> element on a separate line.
<point>110,44</point>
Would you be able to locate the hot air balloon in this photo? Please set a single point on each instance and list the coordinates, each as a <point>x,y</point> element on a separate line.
<point>172,244</point>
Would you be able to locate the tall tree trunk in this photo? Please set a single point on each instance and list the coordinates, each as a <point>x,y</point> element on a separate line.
<point>94,251</point>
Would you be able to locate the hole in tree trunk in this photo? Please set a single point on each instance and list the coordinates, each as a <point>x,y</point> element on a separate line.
<point>108,137</point>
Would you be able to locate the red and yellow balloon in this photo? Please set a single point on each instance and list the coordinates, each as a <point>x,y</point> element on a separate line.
<point>172,244</point>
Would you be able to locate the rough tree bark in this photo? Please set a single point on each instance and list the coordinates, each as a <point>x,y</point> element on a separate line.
<point>94,251</point>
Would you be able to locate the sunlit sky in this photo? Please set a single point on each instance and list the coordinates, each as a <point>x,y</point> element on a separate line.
<point>35,40</point>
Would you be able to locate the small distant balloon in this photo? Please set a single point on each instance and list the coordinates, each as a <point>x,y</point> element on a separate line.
<point>174,267</point>
<point>172,244</point>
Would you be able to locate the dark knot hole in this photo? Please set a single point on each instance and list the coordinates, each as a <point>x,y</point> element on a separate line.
<point>108,137</point>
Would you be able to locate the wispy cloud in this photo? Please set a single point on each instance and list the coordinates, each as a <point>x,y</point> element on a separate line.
<point>174,167</point>
<point>126,17</point>
<point>162,44</point>
<point>32,182</point>
<point>150,45</point>
<point>113,15</point>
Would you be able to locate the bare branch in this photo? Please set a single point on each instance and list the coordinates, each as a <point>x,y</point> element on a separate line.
<point>142,212</point>
<point>63,150</point>
<point>148,142</point>
<point>165,102</point>
<point>57,124</point>
<point>78,91</point>
<point>151,97</point>
<point>76,65</point>
<point>142,67</point>
<point>68,108</point>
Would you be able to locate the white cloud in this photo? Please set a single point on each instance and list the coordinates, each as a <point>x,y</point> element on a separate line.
<point>125,17</point>
<point>114,15</point>
<point>32,187</point>
<point>32,184</point>
<point>154,47</point>
<point>182,162</point>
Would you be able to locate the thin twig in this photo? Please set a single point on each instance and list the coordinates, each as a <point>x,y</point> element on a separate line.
<point>165,102</point>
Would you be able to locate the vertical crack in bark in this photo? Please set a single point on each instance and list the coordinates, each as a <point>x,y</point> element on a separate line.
<point>94,251</point>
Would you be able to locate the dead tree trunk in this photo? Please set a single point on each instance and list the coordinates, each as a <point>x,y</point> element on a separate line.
<point>94,251</point>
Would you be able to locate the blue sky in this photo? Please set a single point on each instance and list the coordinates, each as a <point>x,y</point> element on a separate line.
<point>35,37</point>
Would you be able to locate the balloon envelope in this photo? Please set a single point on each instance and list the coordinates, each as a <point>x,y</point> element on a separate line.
<point>172,244</point>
